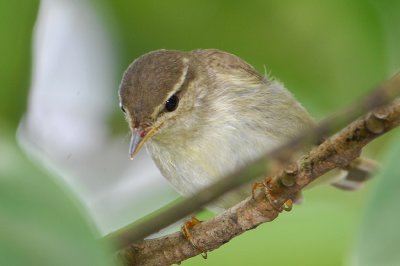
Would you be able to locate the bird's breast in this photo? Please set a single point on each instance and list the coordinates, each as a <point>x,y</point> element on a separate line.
<point>194,161</point>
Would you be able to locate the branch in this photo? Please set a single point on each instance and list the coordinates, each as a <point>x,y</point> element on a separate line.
<point>338,151</point>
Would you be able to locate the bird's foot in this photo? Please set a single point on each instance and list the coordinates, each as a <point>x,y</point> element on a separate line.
<point>185,229</point>
<point>287,206</point>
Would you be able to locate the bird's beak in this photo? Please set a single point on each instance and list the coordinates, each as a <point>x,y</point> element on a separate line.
<point>139,137</point>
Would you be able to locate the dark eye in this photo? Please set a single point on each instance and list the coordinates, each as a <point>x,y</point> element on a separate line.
<point>172,103</point>
<point>122,108</point>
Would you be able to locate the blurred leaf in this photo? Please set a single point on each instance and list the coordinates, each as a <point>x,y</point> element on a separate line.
<point>40,224</point>
<point>378,241</point>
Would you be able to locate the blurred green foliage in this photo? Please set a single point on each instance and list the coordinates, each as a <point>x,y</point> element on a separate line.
<point>328,53</point>
<point>17,19</point>
<point>379,236</point>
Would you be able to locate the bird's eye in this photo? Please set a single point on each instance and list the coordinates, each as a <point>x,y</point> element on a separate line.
<point>172,103</point>
<point>122,108</point>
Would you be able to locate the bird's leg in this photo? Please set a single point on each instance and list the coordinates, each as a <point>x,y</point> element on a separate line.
<point>185,229</point>
<point>287,206</point>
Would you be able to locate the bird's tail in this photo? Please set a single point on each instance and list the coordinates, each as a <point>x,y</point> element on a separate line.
<point>356,174</point>
<point>351,178</point>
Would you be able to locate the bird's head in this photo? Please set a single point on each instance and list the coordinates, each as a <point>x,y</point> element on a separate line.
<point>156,91</point>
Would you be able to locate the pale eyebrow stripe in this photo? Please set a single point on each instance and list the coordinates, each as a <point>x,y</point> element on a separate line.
<point>174,89</point>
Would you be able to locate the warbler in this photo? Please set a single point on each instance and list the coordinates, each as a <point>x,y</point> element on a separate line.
<point>204,113</point>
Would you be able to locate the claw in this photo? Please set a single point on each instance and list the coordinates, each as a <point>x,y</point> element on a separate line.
<point>254,188</point>
<point>287,206</point>
<point>185,229</point>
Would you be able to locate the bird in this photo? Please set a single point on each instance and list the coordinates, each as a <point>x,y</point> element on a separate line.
<point>204,113</point>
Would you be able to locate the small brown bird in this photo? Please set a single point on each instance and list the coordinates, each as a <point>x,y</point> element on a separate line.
<point>204,113</point>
